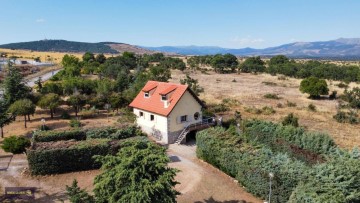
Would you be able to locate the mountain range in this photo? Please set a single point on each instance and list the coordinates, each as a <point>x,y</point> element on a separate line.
<point>339,48</point>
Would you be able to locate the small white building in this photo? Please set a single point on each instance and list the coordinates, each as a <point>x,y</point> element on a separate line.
<point>167,111</point>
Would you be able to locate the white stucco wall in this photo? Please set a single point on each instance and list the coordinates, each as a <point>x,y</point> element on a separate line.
<point>159,125</point>
<point>186,106</point>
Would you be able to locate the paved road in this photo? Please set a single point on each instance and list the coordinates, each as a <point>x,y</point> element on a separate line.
<point>44,77</point>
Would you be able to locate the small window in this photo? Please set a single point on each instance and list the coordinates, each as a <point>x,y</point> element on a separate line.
<point>152,117</point>
<point>196,116</point>
<point>141,114</point>
<point>163,97</point>
<point>146,94</point>
<point>183,118</point>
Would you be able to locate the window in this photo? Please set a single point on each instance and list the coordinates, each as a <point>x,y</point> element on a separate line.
<point>183,118</point>
<point>152,117</point>
<point>141,114</point>
<point>163,97</point>
<point>146,94</point>
<point>196,116</point>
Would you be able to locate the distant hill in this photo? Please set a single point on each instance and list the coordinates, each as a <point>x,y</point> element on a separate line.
<point>340,48</point>
<point>70,46</point>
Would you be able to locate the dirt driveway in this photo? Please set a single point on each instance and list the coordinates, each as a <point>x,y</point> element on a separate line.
<point>201,182</point>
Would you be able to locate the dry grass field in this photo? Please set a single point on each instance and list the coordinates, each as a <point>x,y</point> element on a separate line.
<point>54,57</point>
<point>247,91</point>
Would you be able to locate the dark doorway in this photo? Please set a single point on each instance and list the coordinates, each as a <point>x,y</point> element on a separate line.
<point>191,136</point>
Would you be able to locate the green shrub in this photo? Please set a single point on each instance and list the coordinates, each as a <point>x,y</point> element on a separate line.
<point>88,113</point>
<point>15,144</point>
<point>218,108</point>
<point>43,128</point>
<point>271,96</point>
<point>270,133</point>
<point>96,133</point>
<point>253,110</point>
<point>347,117</point>
<point>78,195</point>
<point>50,136</point>
<point>312,107</point>
<point>335,181</point>
<point>75,123</point>
<point>76,157</point>
<point>65,115</point>
<point>291,119</point>
<point>342,85</point>
<point>250,166</point>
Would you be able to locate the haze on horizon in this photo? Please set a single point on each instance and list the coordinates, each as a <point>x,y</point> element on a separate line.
<point>231,24</point>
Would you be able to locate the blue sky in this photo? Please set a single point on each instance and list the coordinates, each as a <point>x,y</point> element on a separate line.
<point>226,23</point>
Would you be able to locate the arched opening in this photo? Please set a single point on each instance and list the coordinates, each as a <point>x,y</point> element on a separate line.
<point>191,137</point>
<point>196,116</point>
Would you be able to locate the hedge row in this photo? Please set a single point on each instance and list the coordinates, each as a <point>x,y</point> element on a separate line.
<point>113,133</point>
<point>51,136</point>
<point>107,132</point>
<point>270,133</point>
<point>74,158</point>
<point>250,165</point>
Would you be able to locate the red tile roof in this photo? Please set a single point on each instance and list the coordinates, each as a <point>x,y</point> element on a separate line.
<point>154,104</point>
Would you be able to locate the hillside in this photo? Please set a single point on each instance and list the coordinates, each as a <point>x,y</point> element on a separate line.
<point>340,48</point>
<point>75,47</point>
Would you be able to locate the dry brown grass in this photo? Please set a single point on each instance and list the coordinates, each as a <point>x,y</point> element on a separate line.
<point>54,57</point>
<point>249,90</point>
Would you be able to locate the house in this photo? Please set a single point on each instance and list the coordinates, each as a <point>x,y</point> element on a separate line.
<point>168,111</point>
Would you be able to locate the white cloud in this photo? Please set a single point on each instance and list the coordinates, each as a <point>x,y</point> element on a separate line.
<point>247,40</point>
<point>40,20</point>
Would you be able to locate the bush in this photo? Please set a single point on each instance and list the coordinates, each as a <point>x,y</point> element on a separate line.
<point>312,107</point>
<point>75,123</point>
<point>271,96</point>
<point>15,144</point>
<point>76,157</point>
<point>224,150</point>
<point>50,136</point>
<point>65,115</point>
<point>43,128</point>
<point>88,113</point>
<point>267,110</point>
<point>113,133</point>
<point>291,119</point>
<point>270,134</point>
<point>314,87</point>
<point>346,117</point>
<point>78,195</point>
<point>291,104</point>
<point>333,94</point>
<point>342,85</point>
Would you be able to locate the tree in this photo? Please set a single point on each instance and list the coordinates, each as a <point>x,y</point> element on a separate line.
<point>77,195</point>
<point>117,101</point>
<point>38,82</point>
<point>252,65</point>
<point>353,97</point>
<point>123,80</point>
<point>104,89</point>
<point>138,173</point>
<point>14,86</point>
<point>70,60</point>
<point>231,62</point>
<point>15,144</point>
<point>88,57</point>
<point>23,107</point>
<point>159,73</point>
<point>314,86</point>
<point>279,60</point>
<point>50,101</point>
<point>193,84</point>
<point>100,58</point>
<point>5,117</point>
<point>77,101</point>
